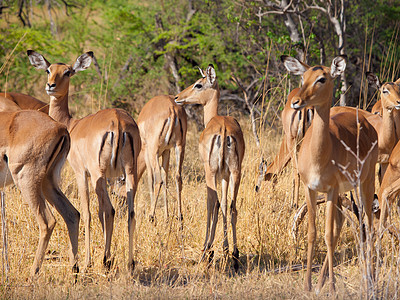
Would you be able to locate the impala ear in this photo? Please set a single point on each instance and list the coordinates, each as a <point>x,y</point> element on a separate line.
<point>83,62</point>
<point>373,80</point>
<point>338,65</point>
<point>293,65</point>
<point>201,72</point>
<point>211,76</point>
<point>37,60</point>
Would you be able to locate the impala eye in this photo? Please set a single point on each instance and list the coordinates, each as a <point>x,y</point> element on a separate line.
<point>322,80</point>
<point>198,86</point>
<point>385,91</point>
<point>47,71</point>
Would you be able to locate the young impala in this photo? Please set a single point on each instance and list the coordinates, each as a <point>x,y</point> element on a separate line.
<point>33,149</point>
<point>221,148</point>
<point>104,144</point>
<point>162,125</point>
<point>322,151</point>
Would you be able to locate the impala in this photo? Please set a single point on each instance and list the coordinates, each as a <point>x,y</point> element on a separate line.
<point>322,151</point>
<point>295,124</point>
<point>33,149</point>
<point>14,101</point>
<point>390,188</point>
<point>162,126</point>
<point>387,122</point>
<point>222,149</point>
<point>104,144</point>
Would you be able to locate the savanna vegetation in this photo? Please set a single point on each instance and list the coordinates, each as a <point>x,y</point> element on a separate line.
<point>148,48</point>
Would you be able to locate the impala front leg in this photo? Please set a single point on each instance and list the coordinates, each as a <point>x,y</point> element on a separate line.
<point>312,234</point>
<point>331,211</point>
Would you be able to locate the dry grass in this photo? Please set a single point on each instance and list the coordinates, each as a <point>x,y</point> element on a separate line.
<point>167,258</point>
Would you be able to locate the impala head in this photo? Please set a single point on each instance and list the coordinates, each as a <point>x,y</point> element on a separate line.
<point>58,74</point>
<point>202,90</point>
<point>317,81</point>
<point>390,91</point>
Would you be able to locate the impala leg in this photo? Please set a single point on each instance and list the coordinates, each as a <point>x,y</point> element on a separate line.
<point>68,212</point>
<point>331,209</point>
<point>164,174</point>
<point>131,186</point>
<point>235,182</point>
<point>106,215</point>
<point>179,154</point>
<point>156,179</point>
<point>338,224</point>
<point>296,189</point>
<point>312,234</point>
<point>224,200</point>
<point>367,197</point>
<point>83,190</point>
<point>386,198</point>
<point>212,210</point>
<point>32,194</point>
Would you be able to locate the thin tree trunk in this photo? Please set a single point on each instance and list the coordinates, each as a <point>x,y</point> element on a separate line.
<point>53,27</point>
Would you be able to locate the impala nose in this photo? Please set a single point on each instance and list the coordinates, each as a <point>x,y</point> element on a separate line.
<point>53,85</point>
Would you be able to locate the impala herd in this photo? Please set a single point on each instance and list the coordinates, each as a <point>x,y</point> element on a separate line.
<point>324,144</point>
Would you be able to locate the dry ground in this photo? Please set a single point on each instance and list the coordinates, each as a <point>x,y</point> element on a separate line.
<point>167,258</point>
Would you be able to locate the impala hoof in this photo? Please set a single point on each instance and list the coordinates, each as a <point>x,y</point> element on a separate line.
<point>235,256</point>
<point>107,263</point>
<point>131,266</point>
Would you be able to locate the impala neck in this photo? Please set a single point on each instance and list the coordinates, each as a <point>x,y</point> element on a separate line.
<point>320,147</point>
<point>211,107</point>
<point>59,110</point>
<point>388,136</point>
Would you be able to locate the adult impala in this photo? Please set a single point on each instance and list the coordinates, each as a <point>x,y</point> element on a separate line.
<point>221,148</point>
<point>295,124</point>
<point>33,149</point>
<point>104,144</point>
<point>162,125</point>
<point>322,152</point>
<point>387,122</point>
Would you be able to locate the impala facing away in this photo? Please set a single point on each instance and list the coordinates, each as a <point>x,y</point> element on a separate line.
<point>33,149</point>
<point>221,148</point>
<point>104,144</point>
<point>322,152</point>
<point>295,124</point>
<point>162,126</point>
<point>17,101</point>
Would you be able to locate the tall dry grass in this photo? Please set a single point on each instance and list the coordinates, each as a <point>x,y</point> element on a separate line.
<point>168,258</point>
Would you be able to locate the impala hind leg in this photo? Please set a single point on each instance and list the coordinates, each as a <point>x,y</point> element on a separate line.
<point>106,215</point>
<point>212,212</point>
<point>224,205</point>
<point>131,186</point>
<point>235,182</point>
<point>68,212</point>
<point>179,155</point>
<point>164,175</point>
<point>154,175</point>
<point>312,234</point>
<point>83,190</point>
<point>31,192</point>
